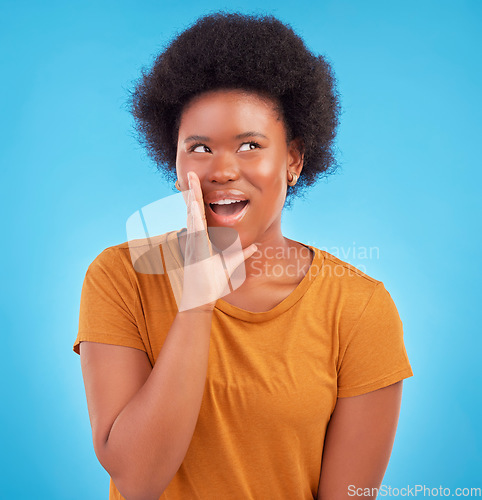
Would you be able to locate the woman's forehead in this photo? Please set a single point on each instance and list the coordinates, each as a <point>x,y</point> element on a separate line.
<point>240,107</point>
<point>234,95</point>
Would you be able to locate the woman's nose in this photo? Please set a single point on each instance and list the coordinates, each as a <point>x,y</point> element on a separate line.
<point>223,168</point>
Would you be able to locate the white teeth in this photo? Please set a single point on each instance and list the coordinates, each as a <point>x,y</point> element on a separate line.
<point>225,202</point>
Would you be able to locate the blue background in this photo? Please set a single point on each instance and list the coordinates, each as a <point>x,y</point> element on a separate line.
<point>409,75</point>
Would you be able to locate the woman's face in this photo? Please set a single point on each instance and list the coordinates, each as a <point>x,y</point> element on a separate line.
<point>236,144</point>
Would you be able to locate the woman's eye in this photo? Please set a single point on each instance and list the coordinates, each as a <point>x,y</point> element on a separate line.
<point>200,148</point>
<point>248,146</point>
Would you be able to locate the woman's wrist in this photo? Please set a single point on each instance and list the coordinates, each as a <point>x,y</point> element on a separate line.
<point>205,309</point>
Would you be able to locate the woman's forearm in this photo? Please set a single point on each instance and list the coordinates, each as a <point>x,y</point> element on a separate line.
<point>150,437</point>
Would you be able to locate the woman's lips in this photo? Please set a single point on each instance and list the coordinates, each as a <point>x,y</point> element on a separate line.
<point>226,220</point>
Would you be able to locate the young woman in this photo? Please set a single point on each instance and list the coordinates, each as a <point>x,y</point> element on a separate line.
<point>288,383</point>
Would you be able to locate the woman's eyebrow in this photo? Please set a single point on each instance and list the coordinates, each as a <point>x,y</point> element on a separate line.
<point>199,138</point>
<point>244,135</point>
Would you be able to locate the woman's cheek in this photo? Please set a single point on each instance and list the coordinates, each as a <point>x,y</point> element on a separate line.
<point>264,170</point>
<point>186,163</point>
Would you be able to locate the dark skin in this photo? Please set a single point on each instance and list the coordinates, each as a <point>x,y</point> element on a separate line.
<point>259,163</point>
<point>131,403</point>
<point>361,432</point>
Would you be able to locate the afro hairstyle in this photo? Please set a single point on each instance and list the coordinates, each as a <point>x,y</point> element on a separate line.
<point>238,51</point>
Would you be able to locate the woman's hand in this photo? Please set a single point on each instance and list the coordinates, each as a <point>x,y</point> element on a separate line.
<point>205,277</point>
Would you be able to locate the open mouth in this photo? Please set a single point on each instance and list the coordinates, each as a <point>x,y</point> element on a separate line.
<point>228,209</point>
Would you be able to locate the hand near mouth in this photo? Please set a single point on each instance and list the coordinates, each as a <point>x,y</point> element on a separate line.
<point>206,279</point>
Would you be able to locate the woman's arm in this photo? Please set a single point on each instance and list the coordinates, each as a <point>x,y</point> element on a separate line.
<point>143,419</point>
<point>359,442</point>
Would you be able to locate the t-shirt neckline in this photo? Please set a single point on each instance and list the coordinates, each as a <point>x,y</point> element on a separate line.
<point>286,303</point>
<point>255,317</point>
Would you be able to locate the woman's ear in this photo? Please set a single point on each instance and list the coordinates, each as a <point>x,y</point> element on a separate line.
<point>296,156</point>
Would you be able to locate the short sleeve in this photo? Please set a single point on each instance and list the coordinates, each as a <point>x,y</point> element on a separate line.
<point>373,355</point>
<point>108,304</point>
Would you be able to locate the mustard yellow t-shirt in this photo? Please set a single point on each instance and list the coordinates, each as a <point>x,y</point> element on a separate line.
<point>273,377</point>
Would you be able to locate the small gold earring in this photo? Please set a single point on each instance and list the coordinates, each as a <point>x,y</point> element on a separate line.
<point>294,179</point>
<point>177,185</point>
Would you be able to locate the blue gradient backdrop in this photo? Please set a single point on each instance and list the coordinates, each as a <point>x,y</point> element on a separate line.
<point>409,74</point>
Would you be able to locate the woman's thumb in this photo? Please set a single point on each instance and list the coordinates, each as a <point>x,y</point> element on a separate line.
<point>233,260</point>
<point>248,252</point>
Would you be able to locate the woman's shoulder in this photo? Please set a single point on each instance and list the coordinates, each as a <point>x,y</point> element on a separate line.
<point>142,255</point>
<point>352,290</point>
<point>343,276</point>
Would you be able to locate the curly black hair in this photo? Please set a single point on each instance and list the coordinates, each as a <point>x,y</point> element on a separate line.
<point>239,51</point>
